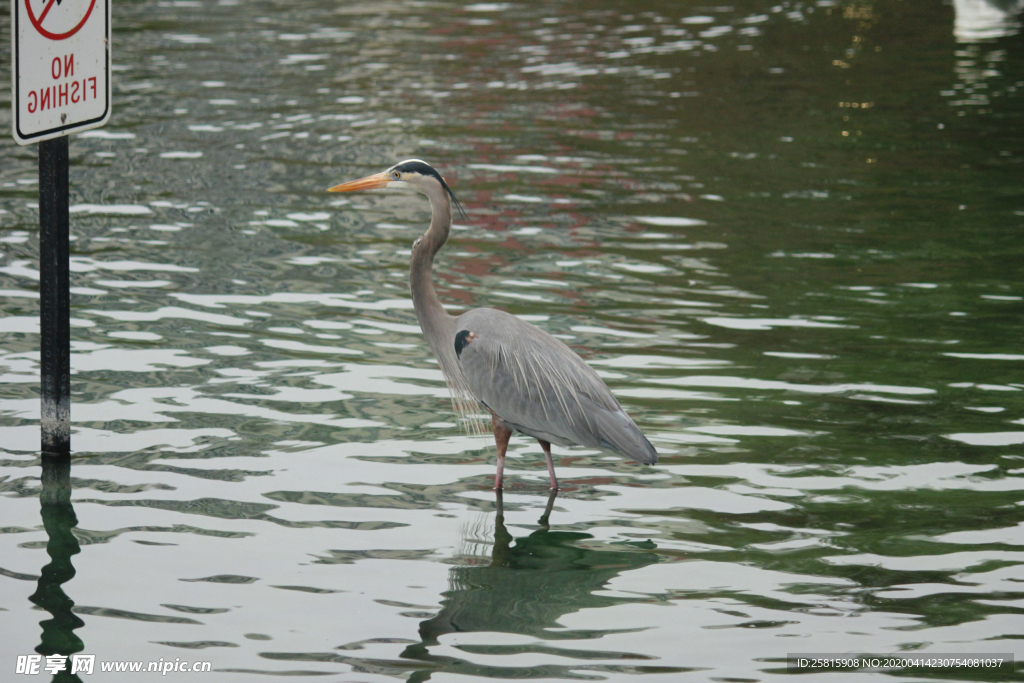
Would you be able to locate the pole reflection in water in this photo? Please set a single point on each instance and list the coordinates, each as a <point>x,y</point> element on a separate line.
<point>58,637</point>
<point>528,585</point>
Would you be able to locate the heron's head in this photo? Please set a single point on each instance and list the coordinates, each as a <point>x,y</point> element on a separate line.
<point>411,174</point>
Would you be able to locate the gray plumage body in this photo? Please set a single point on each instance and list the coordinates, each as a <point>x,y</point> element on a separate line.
<point>538,386</point>
<point>529,381</point>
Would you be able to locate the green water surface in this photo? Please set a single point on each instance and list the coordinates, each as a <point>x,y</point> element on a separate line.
<point>789,236</point>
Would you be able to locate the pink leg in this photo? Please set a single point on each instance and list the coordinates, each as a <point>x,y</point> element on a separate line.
<point>501,436</point>
<point>551,466</point>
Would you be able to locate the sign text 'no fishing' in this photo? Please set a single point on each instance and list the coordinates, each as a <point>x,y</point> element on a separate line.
<point>61,67</point>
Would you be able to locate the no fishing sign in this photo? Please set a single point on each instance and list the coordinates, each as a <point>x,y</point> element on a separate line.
<point>61,67</point>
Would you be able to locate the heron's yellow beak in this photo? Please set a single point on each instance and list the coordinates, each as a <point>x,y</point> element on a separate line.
<point>370,182</point>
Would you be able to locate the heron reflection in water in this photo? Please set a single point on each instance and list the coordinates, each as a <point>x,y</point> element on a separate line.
<point>529,381</point>
<point>528,584</point>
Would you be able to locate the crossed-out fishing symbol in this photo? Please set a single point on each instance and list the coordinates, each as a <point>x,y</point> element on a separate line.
<point>68,14</point>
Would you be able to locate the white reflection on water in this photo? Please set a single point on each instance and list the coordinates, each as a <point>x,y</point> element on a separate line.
<point>748,383</point>
<point>111,209</point>
<point>26,438</point>
<point>978,20</point>
<point>988,438</point>
<point>767,323</point>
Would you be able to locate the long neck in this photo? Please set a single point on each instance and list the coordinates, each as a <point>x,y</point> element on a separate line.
<point>438,327</point>
<point>432,317</point>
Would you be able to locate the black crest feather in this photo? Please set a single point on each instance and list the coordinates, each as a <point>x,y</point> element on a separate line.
<point>423,168</point>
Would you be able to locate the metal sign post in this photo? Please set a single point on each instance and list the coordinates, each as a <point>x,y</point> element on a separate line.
<point>60,83</point>
<point>54,298</point>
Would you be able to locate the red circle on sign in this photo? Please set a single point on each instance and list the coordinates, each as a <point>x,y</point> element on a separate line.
<point>38,23</point>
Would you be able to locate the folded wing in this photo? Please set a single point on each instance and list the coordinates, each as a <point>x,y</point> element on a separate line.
<point>540,387</point>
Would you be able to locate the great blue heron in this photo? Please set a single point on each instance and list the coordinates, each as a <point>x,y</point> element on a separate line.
<point>529,381</point>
